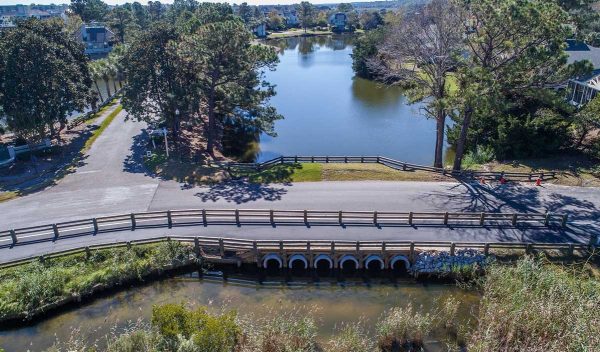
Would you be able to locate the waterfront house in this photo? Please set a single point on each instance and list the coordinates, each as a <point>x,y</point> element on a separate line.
<point>338,22</point>
<point>97,38</point>
<point>260,30</point>
<point>580,90</point>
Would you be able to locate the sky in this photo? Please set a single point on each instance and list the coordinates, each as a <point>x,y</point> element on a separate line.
<point>117,2</point>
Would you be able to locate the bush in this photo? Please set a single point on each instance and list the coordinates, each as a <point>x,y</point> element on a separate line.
<point>350,338</point>
<point>482,155</point>
<point>403,329</point>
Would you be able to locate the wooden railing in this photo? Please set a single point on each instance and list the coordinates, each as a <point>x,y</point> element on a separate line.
<point>222,246</point>
<point>394,164</point>
<point>204,217</point>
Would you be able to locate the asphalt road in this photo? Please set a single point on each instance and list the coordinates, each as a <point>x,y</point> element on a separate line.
<point>112,180</point>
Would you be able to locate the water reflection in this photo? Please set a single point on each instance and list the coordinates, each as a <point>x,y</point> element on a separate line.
<point>329,112</point>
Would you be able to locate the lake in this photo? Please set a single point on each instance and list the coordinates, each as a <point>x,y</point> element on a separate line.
<point>328,111</point>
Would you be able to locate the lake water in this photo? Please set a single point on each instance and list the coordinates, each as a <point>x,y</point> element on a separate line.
<point>329,303</point>
<point>330,112</point>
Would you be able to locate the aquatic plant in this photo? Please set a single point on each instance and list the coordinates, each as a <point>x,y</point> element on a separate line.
<point>403,329</point>
<point>350,338</point>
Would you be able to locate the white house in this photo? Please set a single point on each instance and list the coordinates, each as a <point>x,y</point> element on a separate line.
<point>338,21</point>
<point>260,30</point>
<point>291,19</point>
<point>580,90</point>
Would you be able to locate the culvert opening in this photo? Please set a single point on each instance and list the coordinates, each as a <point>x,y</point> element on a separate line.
<point>298,268</point>
<point>349,267</point>
<point>272,266</point>
<point>374,268</point>
<point>400,269</point>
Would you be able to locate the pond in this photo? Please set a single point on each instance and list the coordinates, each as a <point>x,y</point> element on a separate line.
<point>328,111</point>
<point>331,303</point>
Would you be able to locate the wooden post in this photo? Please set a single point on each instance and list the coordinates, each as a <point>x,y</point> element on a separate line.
<point>237,217</point>
<point>411,254</point>
<point>383,245</point>
<point>128,244</point>
<point>88,253</point>
<point>514,219</point>
<point>403,167</point>
<point>571,249</point>
<point>446,218</point>
<point>332,247</point>
<point>564,221</point>
<point>221,248</point>
<point>452,248</point>
<point>197,246</point>
<point>357,247</point>
<point>378,162</point>
<point>528,248</point>
<point>256,254</point>
<point>486,249</point>
<point>340,217</point>
<point>547,219</point>
<point>55,229</point>
<point>169,219</point>
<point>13,235</point>
<point>410,218</point>
<point>375,217</point>
<point>281,246</point>
<point>305,216</point>
<point>272,216</point>
<point>95,224</point>
<point>346,159</point>
<point>312,159</point>
<point>327,159</point>
<point>133,223</point>
<point>204,217</point>
<point>481,219</point>
<point>362,159</point>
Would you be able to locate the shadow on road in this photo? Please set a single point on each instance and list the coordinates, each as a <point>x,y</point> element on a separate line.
<point>241,192</point>
<point>134,162</point>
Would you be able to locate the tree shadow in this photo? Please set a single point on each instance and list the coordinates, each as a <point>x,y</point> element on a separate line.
<point>134,162</point>
<point>240,192</point>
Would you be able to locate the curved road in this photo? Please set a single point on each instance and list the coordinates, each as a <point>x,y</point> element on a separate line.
<point>112,180</point>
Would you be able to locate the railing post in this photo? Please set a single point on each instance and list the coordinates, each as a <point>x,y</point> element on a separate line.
<point>446,218</point>
<point>281,159</point>
<point>221,248</point>
<point>197,246</point>
<point>272,216</point>
<point>55,229</point>
<point>452,248</point>
<point>357,247</point>
<point>88,253</point>
<point>281,246</point>
<point>564,220</point>
<point>340,215</point>
<point>312,159</point>
<point>346,159</point>
<point>13,235</point>
<point>362,159</point>
<point>133,224</point>
<point>204,217</point>
<point>305,216</point>
<point>481,219</point>
<point>296,159</point>
<point>547,219</point>
<point>95,224</point>
<point>332,247</point>
<point>378,162</point>
<point>514,219</point>
<point>528,248</point>
<point>403,167</point>
<point>169,219</point>
<point>308,249</point>
<point>411,254</point>
<point>327,159</point>
<point>375,217</point>
<point>383,245</point>
<point>410,218</point>
<point>486,249</point>
<point>237,217</point>
<point>571,249</point>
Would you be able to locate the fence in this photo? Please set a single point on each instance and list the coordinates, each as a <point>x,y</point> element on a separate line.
<point>391,163</point>
<point>225,246</point>
<point>204,217</point>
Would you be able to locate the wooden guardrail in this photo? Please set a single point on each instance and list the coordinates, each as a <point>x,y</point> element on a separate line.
<point>391,163</point>
<point>222,246</point>
<point>204,217</point>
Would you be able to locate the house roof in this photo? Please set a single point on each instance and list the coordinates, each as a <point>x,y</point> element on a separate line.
<point>579,51</point>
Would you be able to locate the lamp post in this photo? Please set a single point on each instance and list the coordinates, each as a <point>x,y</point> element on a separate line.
<point>164,131</point>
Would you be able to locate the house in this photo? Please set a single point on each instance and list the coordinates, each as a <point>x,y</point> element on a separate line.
<point>260,30</point>
<point>338,22</point>
<point>9,15</point>
<point>580,90</point>
<point>291,18</point>
<point>98,39</point>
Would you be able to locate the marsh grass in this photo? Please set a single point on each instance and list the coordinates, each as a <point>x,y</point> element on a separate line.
<point>29,289</point>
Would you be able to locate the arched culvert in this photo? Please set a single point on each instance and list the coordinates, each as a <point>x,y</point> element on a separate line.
<point>348,262</point>
<point>323,261</point>
<point>374,262</point>
<point>272,260</point>
<point>400,264</point>
<point>298,261</point>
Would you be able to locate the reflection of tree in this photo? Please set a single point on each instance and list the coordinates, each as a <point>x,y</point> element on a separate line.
<point>306,46</point>
<point>339,42</point>
<point>374,94</point>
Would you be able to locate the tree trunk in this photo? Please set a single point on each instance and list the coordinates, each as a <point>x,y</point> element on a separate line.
<point>439,141</point>
<point>99,92</point>
<point>107,88</point>
<point>462,140</point>
<point>211,124</point>
<point>115,85</point>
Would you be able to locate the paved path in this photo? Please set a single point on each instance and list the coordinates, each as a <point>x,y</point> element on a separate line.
<point>113,181</point>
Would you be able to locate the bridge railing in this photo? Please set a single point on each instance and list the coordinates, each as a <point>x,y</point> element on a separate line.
<point>205,217</point>
<point>391,163</point>
<point>223,247</point>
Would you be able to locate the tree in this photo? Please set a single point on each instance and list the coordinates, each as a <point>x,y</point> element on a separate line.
<point>89,10</point>
<point>345,7</point>
<point>586,120</point>
<point>120,20</point>
<point>423,50</point>
<point>214,12</point>
<point>245,12</point>
<point>43,78</point>
<point>158,81</point>
<point>96,74</point>
<point>155,10</point>
<point>365,49</point>
<point>228,75</point>
<point>370,20</point>
<point>322,19</point>
<point>513,46</point>
<point>306,14</point>
<point>275,22</point>
<point>140,15</point>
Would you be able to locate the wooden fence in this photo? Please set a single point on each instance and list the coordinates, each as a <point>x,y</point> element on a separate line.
<point>227,247</point>
<point>391,163</point>
<point>205,217</point>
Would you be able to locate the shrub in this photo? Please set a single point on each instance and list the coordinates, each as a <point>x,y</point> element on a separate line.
<point>482,155</point>
<point>350,338</point>
<point>403,329</point>
<point>288,332</point>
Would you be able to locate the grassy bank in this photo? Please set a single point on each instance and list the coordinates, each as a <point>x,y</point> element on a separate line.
<point>32,289</point>
<point>297,33</point>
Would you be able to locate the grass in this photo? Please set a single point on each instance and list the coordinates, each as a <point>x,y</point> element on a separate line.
<point>297,33</point>
<point>103,126</point>
<point>28,290</point>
